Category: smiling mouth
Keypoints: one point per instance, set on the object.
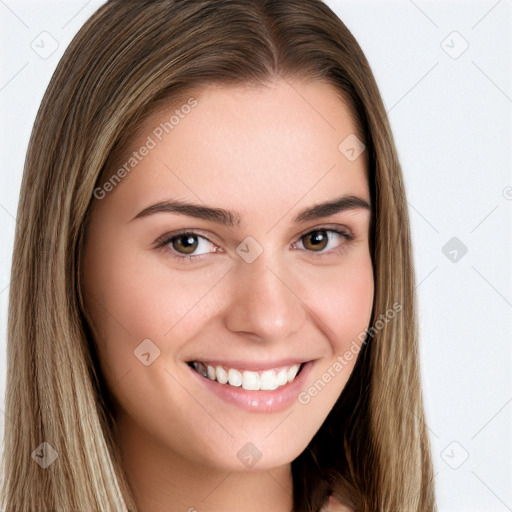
(264, 380)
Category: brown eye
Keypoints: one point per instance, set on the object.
(316, 240)
(185, 244)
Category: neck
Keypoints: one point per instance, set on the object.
(162, 480)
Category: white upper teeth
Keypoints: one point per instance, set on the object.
(250, 380)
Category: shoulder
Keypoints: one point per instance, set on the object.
(334, 503)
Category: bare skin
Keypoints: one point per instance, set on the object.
(267, 153)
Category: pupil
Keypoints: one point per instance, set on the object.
(317, 239)
(188, 243)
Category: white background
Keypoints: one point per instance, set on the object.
(450, 111)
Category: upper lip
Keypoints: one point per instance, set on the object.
(252, 364)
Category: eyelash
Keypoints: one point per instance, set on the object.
(163, 242)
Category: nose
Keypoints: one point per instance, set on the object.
(264, 303)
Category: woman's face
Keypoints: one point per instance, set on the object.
(214, 248)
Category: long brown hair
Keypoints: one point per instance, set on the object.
(128, 59)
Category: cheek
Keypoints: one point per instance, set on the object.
(132, 298)
(343, 300)
(344, 305)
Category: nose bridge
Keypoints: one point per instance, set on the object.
(264, 303)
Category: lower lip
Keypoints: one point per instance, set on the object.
(258, 401)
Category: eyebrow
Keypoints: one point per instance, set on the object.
(233, 218)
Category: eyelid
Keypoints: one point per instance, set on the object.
(165, 239)
(342, 231)
(341, 228)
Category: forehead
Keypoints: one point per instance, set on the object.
(235, 144)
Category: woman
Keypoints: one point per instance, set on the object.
(212, 296)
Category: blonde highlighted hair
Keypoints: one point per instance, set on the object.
(130, 58)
